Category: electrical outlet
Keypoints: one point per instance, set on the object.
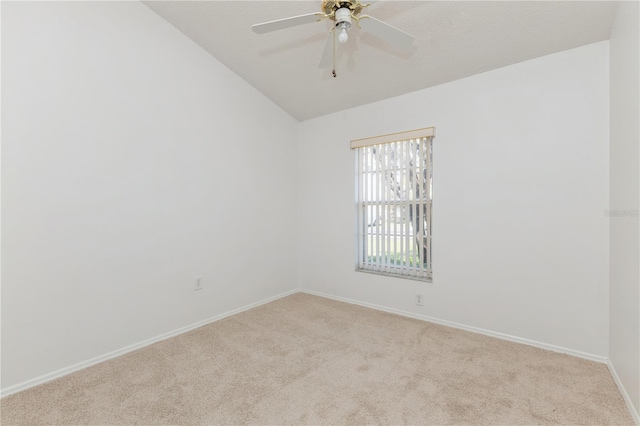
(419, 300)
(197, 285)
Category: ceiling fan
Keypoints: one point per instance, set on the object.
(341, 12)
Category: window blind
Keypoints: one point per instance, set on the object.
(394, 191)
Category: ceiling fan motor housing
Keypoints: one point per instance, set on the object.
(329, 7)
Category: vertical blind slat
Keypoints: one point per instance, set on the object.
(407, 213)
(365, 208)
(381, 203)
(429, 198)
(414, 193)
(403, 208)
(377, 217)
(360, 207)
(419, 206)
(395, 209)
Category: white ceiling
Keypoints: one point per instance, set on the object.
(454, 39)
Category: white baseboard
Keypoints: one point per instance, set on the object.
(84, 364)
(503, 336)
(627, 399)
(119, 352)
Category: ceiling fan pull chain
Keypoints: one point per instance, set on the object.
(334, 53)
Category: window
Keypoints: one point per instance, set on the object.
(394, 192)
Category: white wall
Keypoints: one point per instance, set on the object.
(521, 177)
(625, 196)
(132, 160)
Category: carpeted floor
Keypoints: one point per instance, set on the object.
(309, 360)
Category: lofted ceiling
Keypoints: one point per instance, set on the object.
(453, 39)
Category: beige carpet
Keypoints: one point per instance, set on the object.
(309, 360)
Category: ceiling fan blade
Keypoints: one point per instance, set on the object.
(385, 31)
(281, 24)
(327, 54)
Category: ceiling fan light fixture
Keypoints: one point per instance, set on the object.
(343, 23)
